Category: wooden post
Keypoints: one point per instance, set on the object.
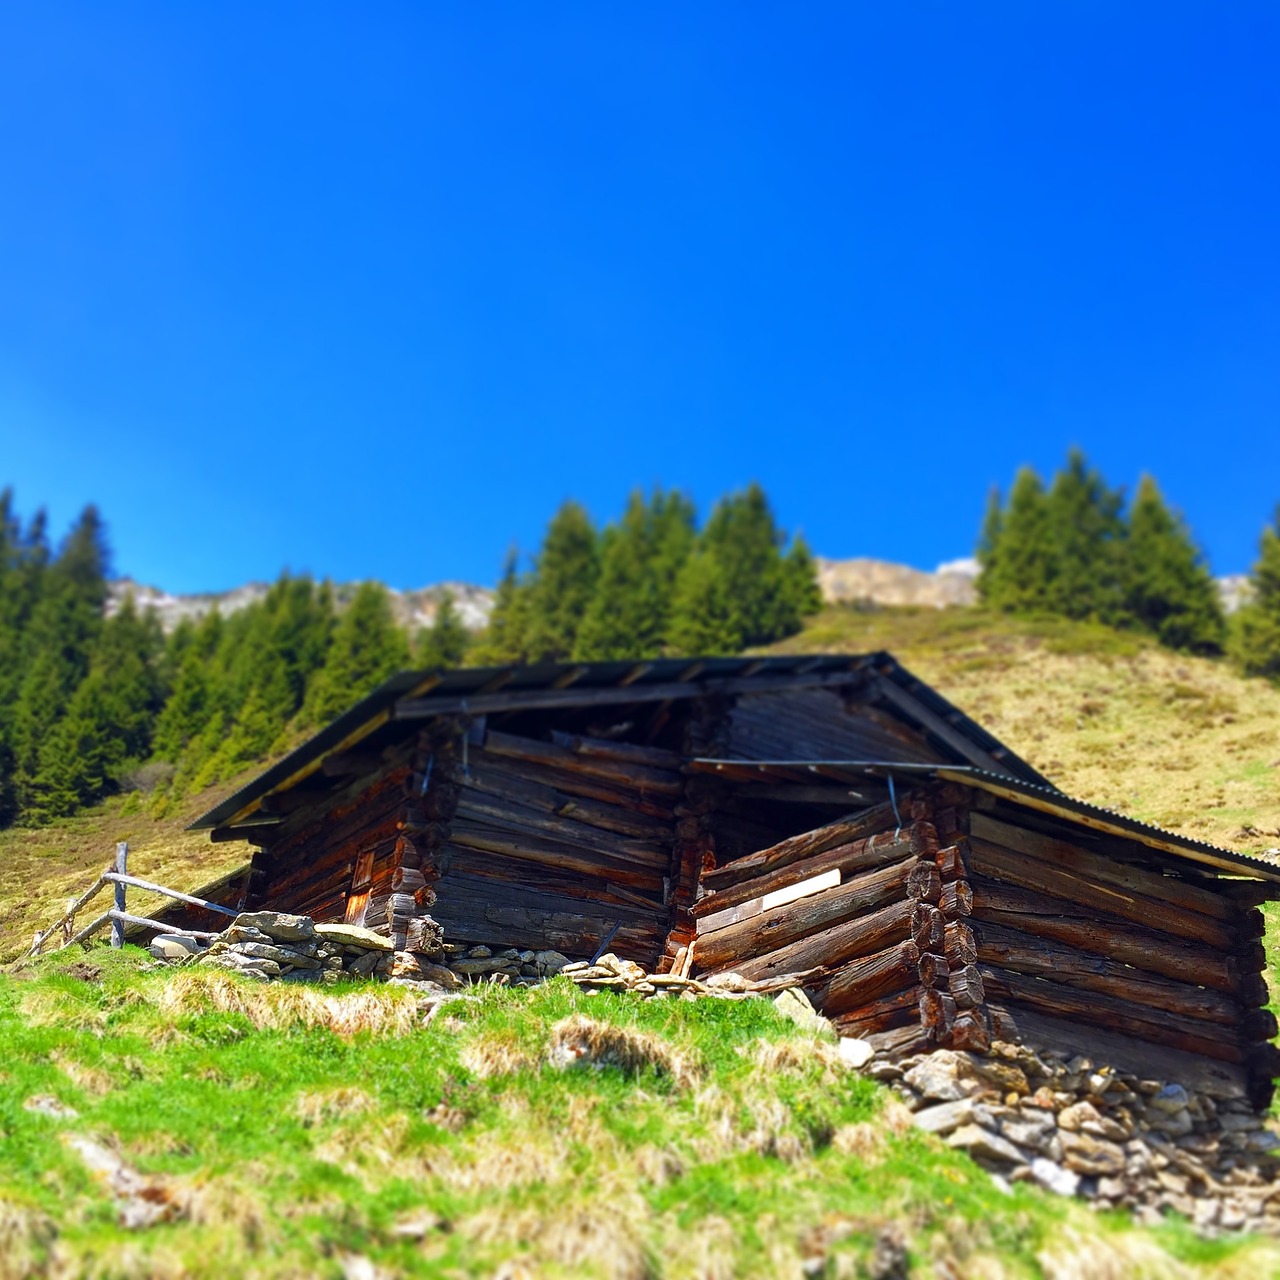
(122, 868)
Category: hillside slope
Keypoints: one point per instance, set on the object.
(1182, 742)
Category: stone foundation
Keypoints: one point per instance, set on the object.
(1081, 1128)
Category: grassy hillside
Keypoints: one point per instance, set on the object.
(282, 1131)
(287, 1132)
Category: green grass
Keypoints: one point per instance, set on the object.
(734, 1146)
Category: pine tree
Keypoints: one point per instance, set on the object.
(1256, 643)
(506, 637)
(1170, 591)
(57, 646)
(1088, 531)
(190, 705)
(445, 643)
(705, 620)
(108, 722)
(1020, 572)
(368, 646)
(801, 572)
(641, 558)
(564, 579)
(988, 542)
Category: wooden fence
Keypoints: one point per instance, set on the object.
(117, 876)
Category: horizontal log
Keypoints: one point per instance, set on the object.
(956, 899)
(951, 862)
(501, 775)
(902, 1008)
(1025, 953)
(794, 848)
(146, 922)
(934, 970)
(785, 924)
(1111, 1013)
(259, 833)
(473, 835)
(965, 984)
(630, 775)
(861, 981)
(960, 946)
(970, 1031)
(861, 936)
(856, 855)
(928, 926)
(1143, 880)
(1064, 921)
(897, 1042)
(937, 1014)
(924, 884)
(494, 811)
(1123, 1050)
(995, 863)
(623, 752)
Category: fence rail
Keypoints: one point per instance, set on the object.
(116, 875)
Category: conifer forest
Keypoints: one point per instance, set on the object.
(93, 705)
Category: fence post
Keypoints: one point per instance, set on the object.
(122, 866)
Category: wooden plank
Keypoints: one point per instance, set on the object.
(630, 777)
(858, 982)
(863, 935)
(1061, 920)
(1070, 857)
(996, 863)
(122, 918)
(1027, 954)
(773, 929)
(1111, 1013)
(624, 752)
(796, 848)
(902, 701)
(709, 923)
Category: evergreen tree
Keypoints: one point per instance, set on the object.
(1088, 531)
(1257, 634)
(705, 619)
(759, 596)
(1170, 591)
(368, 646)
(802, 578)
(564, 580)
(191, 704)
(108, 722)
(988, 541)
(57, 646)
(1022, 565)
(641, 558)
(445, 643)
(506, 638)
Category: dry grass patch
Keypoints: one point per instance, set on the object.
(317, 1107)
(387, 1011)
(579, 1041)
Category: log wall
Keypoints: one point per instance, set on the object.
(976, 921)
(564, 843)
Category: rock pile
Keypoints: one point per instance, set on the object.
(1081, 1128)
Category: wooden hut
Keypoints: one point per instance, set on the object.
(831, 815)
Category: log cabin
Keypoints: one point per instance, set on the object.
(827, 815)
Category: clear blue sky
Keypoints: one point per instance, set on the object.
(367, 289)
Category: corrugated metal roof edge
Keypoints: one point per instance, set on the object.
(1050, 799)
(373, 709)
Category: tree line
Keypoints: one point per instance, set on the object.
(1076, 549)
(91, 704)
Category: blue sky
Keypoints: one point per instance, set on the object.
(369, 289)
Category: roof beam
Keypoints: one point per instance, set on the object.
(545, 699)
